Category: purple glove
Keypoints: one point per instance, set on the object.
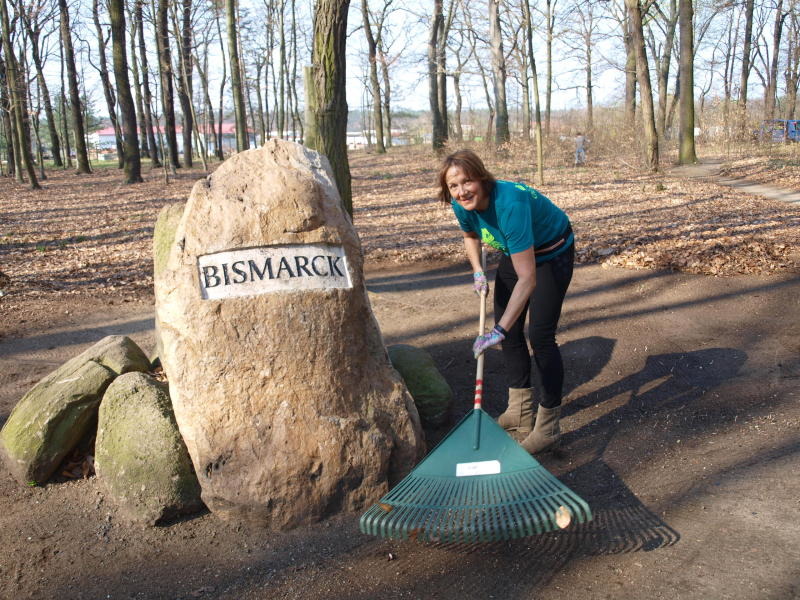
(480, 285)
(482, 342)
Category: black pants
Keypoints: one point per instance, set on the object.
(552, 280)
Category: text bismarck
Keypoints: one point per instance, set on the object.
(254, 271)
(243, 271)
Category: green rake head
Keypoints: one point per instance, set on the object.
(477, 485)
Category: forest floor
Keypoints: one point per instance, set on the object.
(681, 419)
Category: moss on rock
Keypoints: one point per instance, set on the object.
(140, 456)
(50, 420)
(430, 390)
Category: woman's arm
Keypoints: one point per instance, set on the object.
(525, 266)
(472, 244)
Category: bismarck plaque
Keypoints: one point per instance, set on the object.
(270, 269)
(281, 384)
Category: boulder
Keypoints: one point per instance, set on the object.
(50, 420)
(282, 387)
(164, 233)
(431, 392)
(163, 236)
(140, 456)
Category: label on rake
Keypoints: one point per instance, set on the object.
(484, 467)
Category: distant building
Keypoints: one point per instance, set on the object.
(105, 144)
(362, 139)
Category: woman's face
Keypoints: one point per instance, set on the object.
(468, 192)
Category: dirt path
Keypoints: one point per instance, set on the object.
(681, 423)
(710, 169)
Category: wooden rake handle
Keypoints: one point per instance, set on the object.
(481, 331)
(476, 444)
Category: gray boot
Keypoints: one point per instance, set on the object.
(519, 414)
(546, 434)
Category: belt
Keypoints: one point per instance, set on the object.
(554, 243)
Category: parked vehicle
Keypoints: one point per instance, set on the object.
(780, 130)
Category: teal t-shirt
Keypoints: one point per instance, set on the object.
(517, 218)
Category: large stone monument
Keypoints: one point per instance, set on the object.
(281, 384)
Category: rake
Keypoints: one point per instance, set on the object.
(476, 485)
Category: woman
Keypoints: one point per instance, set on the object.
(535, 270)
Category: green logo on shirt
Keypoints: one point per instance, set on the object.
(488, 239)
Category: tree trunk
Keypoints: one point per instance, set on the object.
(64, 119)
(630, 72)
(375, 88)
(663, 65)
(441, 67)
(5, 111)
(147, 95)
(55, 143)
(223, 62)
(281, 99)
(297, 122)
(133, 167)
(487, 94)
(526, 94)
(185, 90)
(646, 91)
(772, 87)
(210, 125)
(439, 133)
(502, 134)
(537, 112)
(748, 40)
(387, 97)
(687, 154)
(589, 88)
(105, 80)
(792, 68)
(17, 102)
(144, 147)
(242, 141)
(458, 131)
(328, 113)
(167, 91)
(262, 129)
(78, 129)
(550, 17)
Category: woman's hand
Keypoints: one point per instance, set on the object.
(479, 284)
(482, 342)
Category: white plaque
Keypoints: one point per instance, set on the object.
(254, 271)
(484, 467)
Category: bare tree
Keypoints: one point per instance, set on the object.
(17, 103)
(326, 128)
(374, 84)
(646, 92)
(105, 80)
(792, 74)
(439, 134)
(526, 16)
(771, 88)
(133, 168)
(183, 33)
(662, 52)
(585, 29)
(33, 19)
(147, 97)
(748, 40)
(242, 139)
(687, 150)
(502, 134)
(161, 12)
(81, 155)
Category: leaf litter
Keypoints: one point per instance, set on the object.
(91, 235)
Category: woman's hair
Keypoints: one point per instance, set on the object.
(473, 168)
